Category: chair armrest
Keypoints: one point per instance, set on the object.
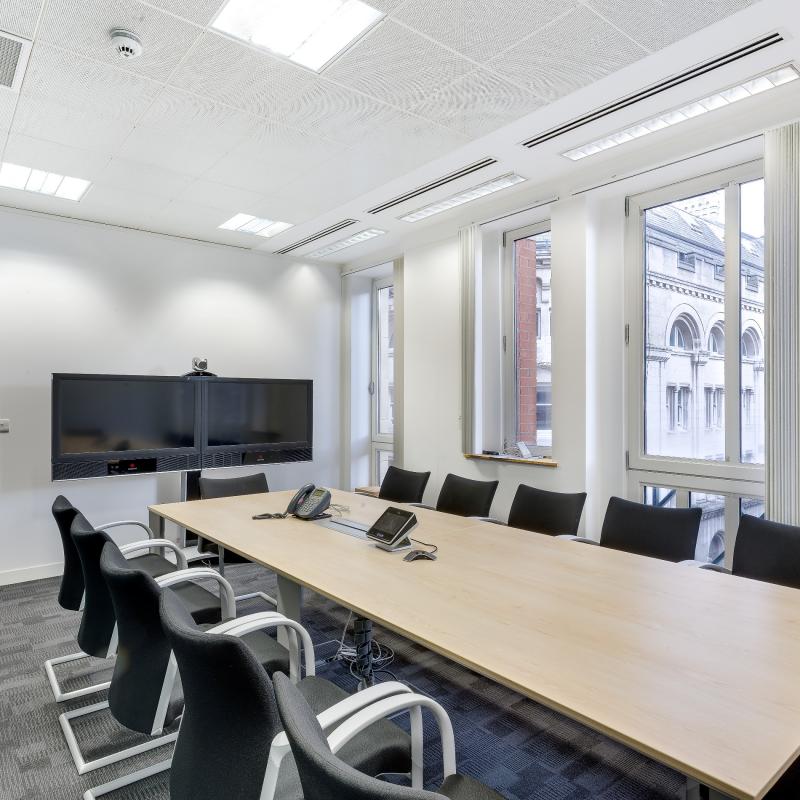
(389, 706)
(338, 713)
(422, 505)
(125, 522)
(271, 619)
(227, 599)
(581, 539)
(158, 544)
(490, 519)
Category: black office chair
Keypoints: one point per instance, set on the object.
(553, 513)
(403, 485)
(71, 591)
(212, 488)
(465, 497)
(227, 745)
(325, 776)
(666, 533)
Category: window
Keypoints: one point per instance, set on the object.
(716, 340)
(527, 379)
(382, 386)
(715, 408)
(681, 337)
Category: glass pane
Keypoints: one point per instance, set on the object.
(711, 539)
(660, 496)
(684, 384)
(752, 507)
(385, 386)
(383, 461)
(532, 307)
(752, 321)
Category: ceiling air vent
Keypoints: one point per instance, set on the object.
(657, 88)
(345, 223)
(14, 54)
(453, 176)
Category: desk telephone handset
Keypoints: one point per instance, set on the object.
(309, 502)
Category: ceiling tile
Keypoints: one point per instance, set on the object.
(267, 161)
(676, 19)
(19, 16)
(189, 156)
(105, 203)
(49, 120)
(127, 175)
(387, 6)
(478, 103)
(8, 102)
(185, 218)
(93, 88)
(84, 28)
(54, 157)
(240, 76)
(480, 29)
(397, 66)
(224, 199)
(570, 53)
(199, 11)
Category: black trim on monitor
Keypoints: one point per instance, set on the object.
(230, 455)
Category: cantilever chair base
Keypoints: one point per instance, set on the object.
(60, 695)
(127, 780)
(84, 766)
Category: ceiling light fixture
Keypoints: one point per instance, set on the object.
(14, 176)
(726, 97)
(308, 32)
(496, 185)
(356, 238)
(247, 223)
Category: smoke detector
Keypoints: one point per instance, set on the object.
(127, 44)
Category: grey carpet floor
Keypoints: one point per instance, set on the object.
(519, 747)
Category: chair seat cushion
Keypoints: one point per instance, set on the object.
(199, 602)
(462, 787)
(151, 563)
(274, 657)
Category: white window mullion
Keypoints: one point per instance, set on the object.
(733, 284)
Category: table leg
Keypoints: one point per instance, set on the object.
(696, 791)
(221, 558)
(290, 604)
(362, 634)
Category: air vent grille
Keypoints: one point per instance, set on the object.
(345, 223)
(663, 86)
(13, 58)
(449, 178)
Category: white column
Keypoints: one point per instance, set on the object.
(469, 239)
(782, 295)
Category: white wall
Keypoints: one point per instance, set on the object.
(79, 297)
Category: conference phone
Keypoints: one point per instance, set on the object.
(309, 502)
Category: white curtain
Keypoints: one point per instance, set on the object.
(469, 240)
(782, 282)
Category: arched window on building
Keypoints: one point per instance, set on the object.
(716, 339)
(682, 335)
(751, 344)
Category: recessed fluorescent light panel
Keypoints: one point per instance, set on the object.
(726, 97)
(14, 176)
(247, 223)
(308, 32)
(356, 238)
(496, 185)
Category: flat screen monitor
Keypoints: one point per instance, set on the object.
(250, 414)
(104, 418)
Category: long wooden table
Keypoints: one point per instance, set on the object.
(700, 671)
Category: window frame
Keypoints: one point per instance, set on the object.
(378, 441)
(637, 459)
(509, 388)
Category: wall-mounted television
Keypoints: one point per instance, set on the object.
(257, 421)
(128, 424)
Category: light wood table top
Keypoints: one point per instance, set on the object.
(698, 670)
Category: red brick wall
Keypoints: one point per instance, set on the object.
(525, 298)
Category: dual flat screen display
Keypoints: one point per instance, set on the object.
(100, 414)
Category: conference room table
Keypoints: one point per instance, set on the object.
(696, 669)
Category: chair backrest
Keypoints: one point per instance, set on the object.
(97, 623)
(229, 717)
(666, 533)
(466, 497)
(767, 551)
(143, 650)
(233, 487)
(403, 485)
(553, 513)
(323, 775)
(70, 593)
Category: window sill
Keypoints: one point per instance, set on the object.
(539, 461)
